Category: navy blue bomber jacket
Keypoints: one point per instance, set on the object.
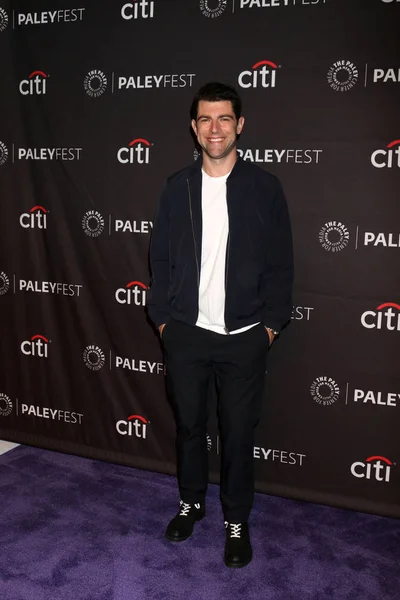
(259, 256)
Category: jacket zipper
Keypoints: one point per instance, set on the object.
(228, 245)
(194, 239)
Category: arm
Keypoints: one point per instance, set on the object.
(278, 273)
(157, 298)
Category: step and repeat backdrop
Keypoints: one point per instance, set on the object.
(94, 116)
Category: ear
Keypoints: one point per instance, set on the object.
(239, 126)
(194, 126)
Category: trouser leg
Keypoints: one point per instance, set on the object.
(240, 368)
(189, 373)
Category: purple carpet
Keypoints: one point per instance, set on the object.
(78, 529)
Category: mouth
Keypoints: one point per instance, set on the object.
(215, 140)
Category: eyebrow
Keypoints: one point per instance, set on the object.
(218, 117)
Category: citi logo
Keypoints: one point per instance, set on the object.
(35, 218)
(36, 346)
(387, 158)
(3, 153)
(382, 319)
(3, 19)
(134, 293)
(137, 151)
(6, 405)
(262, 74)
(374, 467)
(35, 84)
(138, 9)
(134, 426)
(4, 283)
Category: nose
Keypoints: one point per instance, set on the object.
(214, 126)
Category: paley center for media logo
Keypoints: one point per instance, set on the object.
(387, 157)
(3, 153)
(325, 391)
(342, 76)
(377, 468)
(212, 9)
(95, 358)
(385, 316)
(37, 345)
(36, 218)
(334, 236)
(6, 405)
(93, 224)
(34, 85)
(262, 74)
(133, 293)
(138, 9)
(137, 151)
(133, 426)
(3, 19)
(4, 283)
(95, 83)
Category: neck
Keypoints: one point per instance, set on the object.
(220, 166)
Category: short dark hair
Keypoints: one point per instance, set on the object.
(217, 92)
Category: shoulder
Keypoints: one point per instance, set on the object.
(181, 175)
(259, 176)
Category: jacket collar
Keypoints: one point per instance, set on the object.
(238, 168)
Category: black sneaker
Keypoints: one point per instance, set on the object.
(181, 526)
(238, 552)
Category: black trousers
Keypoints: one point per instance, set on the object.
(194, 357)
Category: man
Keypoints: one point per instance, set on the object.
(221, 261)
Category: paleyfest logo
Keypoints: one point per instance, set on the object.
(212, 9)
(95, 83)
(342, 76)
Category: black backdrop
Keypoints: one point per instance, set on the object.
(94, 116)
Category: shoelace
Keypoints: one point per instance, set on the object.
(185, 508)
(235, 529)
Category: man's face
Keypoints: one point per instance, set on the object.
(216, 128)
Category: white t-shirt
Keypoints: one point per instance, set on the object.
(213, 255)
